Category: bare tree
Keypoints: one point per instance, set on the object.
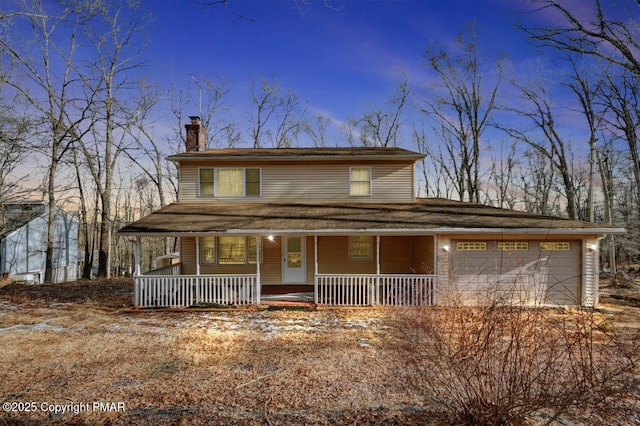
(502, 177)
(14, 130)
(318, 130)
(437, 176)
(606, 157)
(276, 118)
(462, 108)
(379, 127)
(48, 63)
(116, 56)
(146, 152)
(266, 101)
(621, 98)
(586, 87)
(545, 138)
(592, 30)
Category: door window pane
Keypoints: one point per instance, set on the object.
(294, 252)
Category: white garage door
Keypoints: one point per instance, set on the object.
(531, 270)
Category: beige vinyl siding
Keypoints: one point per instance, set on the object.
(271, 268)
(422, 262)
(310, 182)
(333, 257)
(398, 255)
(188, 255)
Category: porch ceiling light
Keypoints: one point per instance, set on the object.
(270, 237)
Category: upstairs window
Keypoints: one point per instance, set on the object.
(360, 181)
(252, 179)
(229, 182)
(206, 182)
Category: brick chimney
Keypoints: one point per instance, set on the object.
(196, 135)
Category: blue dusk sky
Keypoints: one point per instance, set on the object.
(340, 60)
(337, 59)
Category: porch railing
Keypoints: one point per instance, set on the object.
(330, 290)
(407, 290)
(345, 290)
(372, 289)
(166, 270)
(193, 290)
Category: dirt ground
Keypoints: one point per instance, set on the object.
(75, 354)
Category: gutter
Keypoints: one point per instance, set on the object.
(397, 231)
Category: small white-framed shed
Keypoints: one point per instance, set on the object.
(23, 243)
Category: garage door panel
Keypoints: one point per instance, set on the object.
(555, 273)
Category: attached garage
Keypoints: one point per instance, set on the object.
(527, 270)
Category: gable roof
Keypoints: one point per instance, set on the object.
(424, 216)
(334, 153)
(16, 215)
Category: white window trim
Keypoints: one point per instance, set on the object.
(351, 194)
(216, 180)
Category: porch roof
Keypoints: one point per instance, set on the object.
(426, 216)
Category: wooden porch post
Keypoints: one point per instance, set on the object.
(258, 256)
(315, 273)
(197, 255)
(137, 254)
(377, 290)
(136, 272)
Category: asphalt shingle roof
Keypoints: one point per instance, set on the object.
(424, 215)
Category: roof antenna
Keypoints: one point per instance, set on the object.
(200, 94)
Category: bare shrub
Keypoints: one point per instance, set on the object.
(500, 364)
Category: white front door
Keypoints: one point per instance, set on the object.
(293, 260)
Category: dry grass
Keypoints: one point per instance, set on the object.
(75, 344)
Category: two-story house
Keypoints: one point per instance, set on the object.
(345, 225)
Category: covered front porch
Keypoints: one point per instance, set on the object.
(334, 269)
